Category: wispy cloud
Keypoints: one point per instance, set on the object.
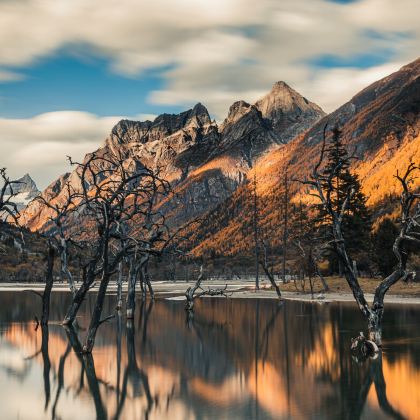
(214, 51)
(206, 43)
(40, 145)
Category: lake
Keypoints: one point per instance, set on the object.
(237, 359)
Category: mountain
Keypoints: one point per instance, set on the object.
(288, 111)
(24, 191)
(380, 125)
(204, 162)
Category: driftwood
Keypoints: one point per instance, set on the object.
(191, 293)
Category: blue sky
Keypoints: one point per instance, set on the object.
(69, 70)
(68, 81)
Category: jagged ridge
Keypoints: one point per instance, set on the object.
(204, 162)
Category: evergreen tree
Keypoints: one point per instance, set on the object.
(356, 224)
(382, 241)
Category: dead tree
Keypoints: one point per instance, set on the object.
(264, 264)
(196, 291)
(408, 232)
(255, 221)
(9, 211)
(119, 286)
(285, 221)
(58, 231)
(154, 241)
(111, 197)
(305, 238)
(8, 208)
(49, 280)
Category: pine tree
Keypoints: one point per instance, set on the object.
(383, 240)
(356, 224)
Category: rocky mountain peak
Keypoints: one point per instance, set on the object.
(280, 85)
(24, 191)
(283, 97)
(288, 111)
(203, 160)
(202, 114)
(238, 107)
(25, 185)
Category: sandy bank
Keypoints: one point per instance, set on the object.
(235, 290)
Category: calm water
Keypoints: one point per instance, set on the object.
(238, 359)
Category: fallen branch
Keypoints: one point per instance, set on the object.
(191, 294)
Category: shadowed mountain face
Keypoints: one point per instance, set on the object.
(380, 125)
(204, 162)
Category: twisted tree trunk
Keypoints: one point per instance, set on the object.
(49, 280)
(95, 321)
(79, 297)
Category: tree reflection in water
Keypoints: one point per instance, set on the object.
(375, 375)
(86, 359)
(241, 359)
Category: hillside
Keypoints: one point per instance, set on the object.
(381, 125)
(209, 164)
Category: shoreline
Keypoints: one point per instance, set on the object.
(235, 290)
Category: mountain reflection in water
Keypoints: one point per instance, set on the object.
(239, 359)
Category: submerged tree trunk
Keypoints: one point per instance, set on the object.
(190, 292)
(64, 265)
(377, 311)
(271, 278)
(146, 277)
(372, 314)
(131, 293)
(119, 286)
(88, 279)
(95, 321)
(48, 285)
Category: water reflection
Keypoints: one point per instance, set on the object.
(233, 359)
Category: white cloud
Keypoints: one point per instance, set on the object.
(230, 48)
(202, 38)
(39, 145)
(216, 52)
